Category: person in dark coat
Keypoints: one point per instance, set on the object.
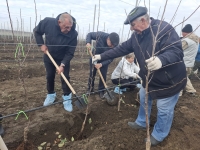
(61, 42)
(168, 74)
(104, 42)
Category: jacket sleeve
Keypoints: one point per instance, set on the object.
(91, 36)
(120, 50)
(184, 45)
(95, 36)
(106, 62)
(170, 48)
(70, 51)
(39, 31)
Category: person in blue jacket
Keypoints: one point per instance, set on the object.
(61, 42)
(197, 62)
(104, 42)
(165, 63)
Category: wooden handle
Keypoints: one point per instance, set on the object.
(2, 144)
(63, 76)
(99, 72)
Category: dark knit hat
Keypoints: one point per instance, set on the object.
(187, 28)
(114, 38)
(135, 13)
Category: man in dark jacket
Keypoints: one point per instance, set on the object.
(104, 42)
(61, 42)
(168, 74)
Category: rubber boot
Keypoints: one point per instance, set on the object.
(49, 99)
(67, 102)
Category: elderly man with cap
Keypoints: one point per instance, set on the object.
(190, 43)
(104, 42)
(168, 74)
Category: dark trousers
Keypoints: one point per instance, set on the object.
(50, 76)
(93, 72)
(124, 81)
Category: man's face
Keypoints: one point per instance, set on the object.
(65, 26)
(109, 43)
(184, 34)
(138, 25)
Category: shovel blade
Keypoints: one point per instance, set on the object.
(80, 103)
(110, 98)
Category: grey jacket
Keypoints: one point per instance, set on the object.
(125, 70)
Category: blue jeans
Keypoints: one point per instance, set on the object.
(165, 114)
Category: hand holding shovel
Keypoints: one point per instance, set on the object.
(80, 102)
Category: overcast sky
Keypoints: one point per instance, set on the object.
(112, 13)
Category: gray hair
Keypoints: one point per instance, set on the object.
(65, 16)
(130, 55)
(146, 17)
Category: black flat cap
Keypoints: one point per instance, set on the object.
(114, 38)
(135, 13)
(187, 28)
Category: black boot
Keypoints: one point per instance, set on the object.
(1, 128)
(153, 141)
(101, 94)
(134, 125)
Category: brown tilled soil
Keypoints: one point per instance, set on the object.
(105, 128)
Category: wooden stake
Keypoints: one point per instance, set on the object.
(98, 17)
(94, 17)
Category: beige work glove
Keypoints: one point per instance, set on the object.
(153, 63)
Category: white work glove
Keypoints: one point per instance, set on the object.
(95, 58)
(195, 72)
(153, 63)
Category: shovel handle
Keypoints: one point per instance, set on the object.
(2, 144)
(63, 76)
(102, 79)
(99, 72)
